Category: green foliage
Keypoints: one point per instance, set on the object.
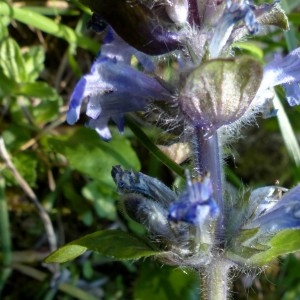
(166, 283)
(89, 155)
(114, 243)
(37, 20)
(259, 253)
(287, 241)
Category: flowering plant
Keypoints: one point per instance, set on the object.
(212, 92)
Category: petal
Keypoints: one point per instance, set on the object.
(195, 213)
(88, 85)
(292, 92)
(262, 200)
(124, 78)
(195, 205)
(77, 97)
(234, 13)
(113, 88)
(282, 70)
(116, 48)
(93, 109)
(149, 213)
(131, 90)
(100, 125)
(285, 214)
(119, 121)
(199, 191)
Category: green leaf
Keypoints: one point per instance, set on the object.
(46, 110)
(114, 243)
(284, 242)
(88, 154)
(12, 61)
(287, 241)
(8, 86)
(48, 25)
(101, 197)
(288, 134)
(251, 48)
(15, 136)
(164, 283)
(294, 18)
(34, 62)
(36, 89)
(4, 22)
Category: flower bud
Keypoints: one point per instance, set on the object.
(178, 10)
(148, 213)
(129, 182)
(138, 25)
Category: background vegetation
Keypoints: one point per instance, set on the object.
(55, 179)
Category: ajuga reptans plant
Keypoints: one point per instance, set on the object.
(211, 92)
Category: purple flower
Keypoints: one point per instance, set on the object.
(284, 71)
(235, 12)
(277, 213)
(196, 205)
(114, 87)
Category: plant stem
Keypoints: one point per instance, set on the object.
(215, 279)
(207, 159)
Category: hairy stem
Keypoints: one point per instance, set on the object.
(215, 280)
(207, 159)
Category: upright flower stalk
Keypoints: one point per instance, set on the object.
(211, 92)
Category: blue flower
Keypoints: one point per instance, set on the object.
(114, 87)
(235, 12)
(276, 212)
(196, 205)
(284, 71)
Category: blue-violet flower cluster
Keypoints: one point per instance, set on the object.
(115, 86)
(210, 89)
